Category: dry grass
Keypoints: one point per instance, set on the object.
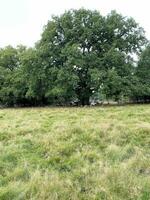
(75, 153)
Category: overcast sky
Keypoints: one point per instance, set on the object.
(22, 21)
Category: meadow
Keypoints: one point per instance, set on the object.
(88, 153)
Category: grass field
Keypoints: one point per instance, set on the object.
(75, 153)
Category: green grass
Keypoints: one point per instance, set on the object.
(75, 153)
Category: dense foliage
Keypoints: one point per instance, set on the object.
(143, 74)
(82, 56)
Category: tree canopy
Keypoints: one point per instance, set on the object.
(81, 55)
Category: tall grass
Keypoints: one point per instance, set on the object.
(75, 153)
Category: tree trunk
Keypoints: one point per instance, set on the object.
(85, 101)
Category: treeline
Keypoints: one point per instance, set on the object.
(82, 57)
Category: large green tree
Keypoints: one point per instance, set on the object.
(81, 47)
(81, 55)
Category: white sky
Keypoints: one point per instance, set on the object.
(22, 21)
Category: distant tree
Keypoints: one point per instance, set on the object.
(118, 77)
(80, 45)
(142, 91)
(11, 77)
(8, 63)
(33, 77)
(8, 58)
